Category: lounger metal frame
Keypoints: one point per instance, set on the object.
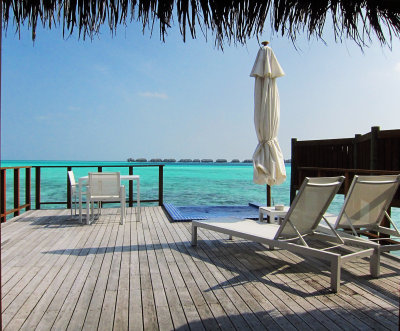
(336, 260)
(365, 230)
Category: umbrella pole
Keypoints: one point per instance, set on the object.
(268, 189)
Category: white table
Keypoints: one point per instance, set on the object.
(84, 179)
(271, 212)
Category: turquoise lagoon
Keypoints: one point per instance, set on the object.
(185, 184)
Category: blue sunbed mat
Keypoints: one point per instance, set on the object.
(189, 213)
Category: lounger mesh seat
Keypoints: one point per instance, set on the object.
(300, 225)
(366, 204)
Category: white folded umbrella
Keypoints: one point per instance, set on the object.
(268, 162)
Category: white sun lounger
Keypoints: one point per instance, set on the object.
(299, 225)
(367, 202)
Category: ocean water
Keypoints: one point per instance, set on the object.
(185, 184)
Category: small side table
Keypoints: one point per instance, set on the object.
(271, 212)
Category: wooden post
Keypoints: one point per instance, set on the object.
(3, 199)
(69, 202)
(293, 167)
(37, 188)
(28, 188)
(346, 182)
(130, 201)
(373, 164)
(268, 196)
(355, 150)
(16, 191)
(160, 185)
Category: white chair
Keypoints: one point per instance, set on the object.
(104, 186)
(300, 225)
(74, 190)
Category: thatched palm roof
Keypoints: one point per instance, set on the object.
(229, 21)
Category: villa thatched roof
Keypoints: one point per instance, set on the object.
(229, 21)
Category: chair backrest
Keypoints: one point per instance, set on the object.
(367, 200)
(71, 178)
(309, 205)
(104, 183)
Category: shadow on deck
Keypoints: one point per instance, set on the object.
(58, 273)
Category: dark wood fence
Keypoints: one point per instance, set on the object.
(17, 206)
(377, 152)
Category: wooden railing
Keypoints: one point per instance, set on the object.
(38, 201)
(16, 191)
(376, 150)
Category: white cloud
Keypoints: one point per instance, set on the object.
(102, 69)
(397, 67)
(154, 95)
(42, 117)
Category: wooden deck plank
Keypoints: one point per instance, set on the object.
(328, 285)
(135, 314)
(298, 294)
(162, 254)
(366, 321)
(78, 238)
(27, 253)
(193, 279)
(82, 306)
(313, 312)
(31, 291)
(253, 321)
(28, 237)
(364, 317)
(102, 266)
(148, 304)
(95, 239)
(160, 297)
(236, 276)
(232, 266)
(58, 274)
(87, 257)
(186, 302)
(337, 315)
(15, 226)
(108, 310)
(121, 317)
(348, 295)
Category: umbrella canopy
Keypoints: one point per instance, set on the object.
(268, 163)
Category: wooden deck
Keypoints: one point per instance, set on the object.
(58, 274)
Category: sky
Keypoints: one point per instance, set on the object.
(132, 95)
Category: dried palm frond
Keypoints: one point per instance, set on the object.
(229, 21)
